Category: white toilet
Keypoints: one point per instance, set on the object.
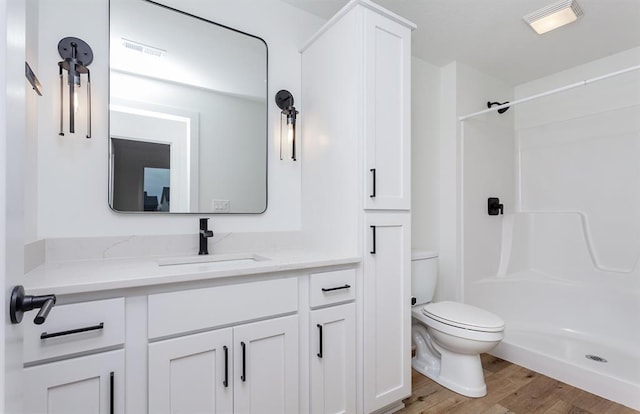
(449, 336)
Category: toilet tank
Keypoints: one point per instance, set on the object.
(424, 274)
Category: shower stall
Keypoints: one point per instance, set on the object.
(560, 266)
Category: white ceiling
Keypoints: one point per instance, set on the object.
(491, 36)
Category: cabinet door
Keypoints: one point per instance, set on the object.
(387, 113)
(86, 385)
(387, 309)
(333, 360)
(191, 374)
(266, 366)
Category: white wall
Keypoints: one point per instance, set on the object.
(470, 171)
(31, 136)
(330, 194)
(73, 171)
(448, 286)
(618, 92)
(425, 165)
(488, 170)
(579, 152)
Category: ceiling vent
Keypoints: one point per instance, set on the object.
(553, 16)
(142, 48)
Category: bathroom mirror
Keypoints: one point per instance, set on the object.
(187, 113)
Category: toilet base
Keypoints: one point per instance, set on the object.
(461, 373)
(462, 378)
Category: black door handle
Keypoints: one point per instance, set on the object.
(45, 335)
(243, 377)
(320, 340)
(373, 172)
(226, 366)
(373, 229)
(111, 393)
(336, 288)
(21, 303)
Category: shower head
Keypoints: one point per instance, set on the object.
(500, 111)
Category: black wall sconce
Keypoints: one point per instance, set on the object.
(284, 100)
(76, 55)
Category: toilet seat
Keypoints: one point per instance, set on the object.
(463, 316)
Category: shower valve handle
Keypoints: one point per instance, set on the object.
(494, 207)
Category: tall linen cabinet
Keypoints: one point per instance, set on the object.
(355, 154)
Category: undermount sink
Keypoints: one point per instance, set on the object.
(213, 260)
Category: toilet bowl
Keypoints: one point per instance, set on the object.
(449, 336)
(449, 339)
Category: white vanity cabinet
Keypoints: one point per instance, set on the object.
(85, 385)
(235, 343)
(266, 366)
(356, 149)
(59, 381)
(251, 368)
(387, 318)
(333, 360)
(332, 342)
(246, 368)
(192, 374)
(387, 112)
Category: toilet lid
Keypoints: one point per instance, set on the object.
(464, 316)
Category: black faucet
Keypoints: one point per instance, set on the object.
(205, 233)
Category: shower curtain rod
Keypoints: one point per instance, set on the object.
(551, 92)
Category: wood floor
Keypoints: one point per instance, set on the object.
(512, 389)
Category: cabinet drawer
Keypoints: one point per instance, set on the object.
(75, 328)
(192, 310)
(332, 287)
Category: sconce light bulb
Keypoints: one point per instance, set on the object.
(290, 133)
(75, 100)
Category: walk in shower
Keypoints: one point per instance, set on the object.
(560, 266)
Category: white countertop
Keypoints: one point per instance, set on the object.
(83, 276)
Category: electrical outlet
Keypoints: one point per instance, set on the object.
(220, 206)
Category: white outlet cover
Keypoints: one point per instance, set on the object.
(220, 205)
